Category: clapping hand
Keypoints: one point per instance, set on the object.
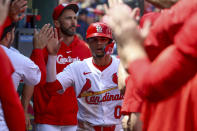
(4, 7)
(17, 10)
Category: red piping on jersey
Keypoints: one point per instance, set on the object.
(101, 68)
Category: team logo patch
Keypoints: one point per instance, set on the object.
(85, 88)
(115, 78)
(99, 29)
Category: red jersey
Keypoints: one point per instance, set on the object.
(13, 111)
(166, 106)
(48, 110)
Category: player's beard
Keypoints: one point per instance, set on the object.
(66, 31)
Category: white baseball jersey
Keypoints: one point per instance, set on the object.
(25, 70)
(98, 96)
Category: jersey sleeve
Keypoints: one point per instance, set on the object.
(32, 74)
(132, 101)
(38, 58)
(161, 78)
(66, 77)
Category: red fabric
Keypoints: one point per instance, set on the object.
(152, 16)
(104, 128)
(159, 83)
(53, 87)
(34, 57)
(13, 111)
(60, 109)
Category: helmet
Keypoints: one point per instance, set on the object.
(99, 29)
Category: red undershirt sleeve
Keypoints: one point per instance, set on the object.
(38, 57)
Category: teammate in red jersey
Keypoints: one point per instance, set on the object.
(174, 66)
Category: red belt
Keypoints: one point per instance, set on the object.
(104, 128)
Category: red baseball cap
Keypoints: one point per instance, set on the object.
(58, 10)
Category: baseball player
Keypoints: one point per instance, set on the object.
(59, 113)
(94, 80)
(172, 43)
(12, 114)
(25, 69)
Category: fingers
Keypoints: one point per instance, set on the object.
(125, 122)
(113, 3)
(45, 28)
(135, 13)
(4, 2)
(20, 3)
(22, 9)
(21, 17)
(50, 33)
(7, 3)
(145, 29)
(55, 33)
(35, 32)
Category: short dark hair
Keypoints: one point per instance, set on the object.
(7, 29)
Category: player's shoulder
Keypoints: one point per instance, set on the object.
(14, 49)
(17, 58)
(115, 59)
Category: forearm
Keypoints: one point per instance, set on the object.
(26, 96)
(161, 78)
(51, 68)
(122, 76)
(173, 68)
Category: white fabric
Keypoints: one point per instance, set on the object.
(51, 68)
(46, 127)
(25, 69)
(91, 109)
(14, 49)
(3, 126)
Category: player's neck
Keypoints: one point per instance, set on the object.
(102, 61)
(5, 43)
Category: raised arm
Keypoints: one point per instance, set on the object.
(64, 79)
(160, 78)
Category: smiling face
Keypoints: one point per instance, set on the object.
(67, 22)
(97, 45)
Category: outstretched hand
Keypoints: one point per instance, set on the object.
(41, 38)
(54, 43)
(121, 18)
(4, 7)
(47, 37)
(17, 10)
